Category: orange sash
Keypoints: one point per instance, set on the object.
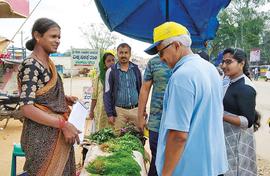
(56, 160)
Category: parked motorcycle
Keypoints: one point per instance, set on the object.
(9, 108)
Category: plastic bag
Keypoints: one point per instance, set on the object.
(92, 128)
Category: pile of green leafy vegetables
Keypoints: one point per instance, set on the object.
(117, 164)
(131, 129)
(126, 143)
(102, 136)
(121, 161)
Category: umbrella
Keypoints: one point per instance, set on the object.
(138, 18)
(14, 8)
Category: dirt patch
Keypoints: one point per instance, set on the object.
(11, 135)
(263, 166)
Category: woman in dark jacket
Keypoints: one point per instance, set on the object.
(240, 117)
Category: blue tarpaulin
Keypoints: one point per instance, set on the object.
(138, 18)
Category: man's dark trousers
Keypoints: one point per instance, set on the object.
(153, 140)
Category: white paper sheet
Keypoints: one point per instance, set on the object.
(77, 117)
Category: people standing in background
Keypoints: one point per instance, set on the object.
(240, 117)
(156, 75)
(97, 111)
(191, 137)
(122, 87)
(47, 137)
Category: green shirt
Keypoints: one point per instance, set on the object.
(159, 73)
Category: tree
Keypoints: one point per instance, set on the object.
(241, 25)
(99, 37)
(265, 47)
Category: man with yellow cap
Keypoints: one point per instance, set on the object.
(191, 137)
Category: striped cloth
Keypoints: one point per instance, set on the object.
(240, 142)
(241, 154)
(127, 94)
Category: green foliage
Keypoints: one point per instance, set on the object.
(242, 25)
(131, 129)
(126, 143)
(265, 47)
(102, 136)
(117, 164)
(121, 162)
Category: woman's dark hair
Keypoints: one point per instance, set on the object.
(257, 122)
(102, 67)
(41, 26)
(239, 55)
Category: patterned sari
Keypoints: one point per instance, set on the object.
(101, 118)
(45, 148)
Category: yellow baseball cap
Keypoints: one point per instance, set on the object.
(165, 31)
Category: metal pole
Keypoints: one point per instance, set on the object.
(167, 10)
(70, 90)
(25, 20)
(22, 39)
(71, 72)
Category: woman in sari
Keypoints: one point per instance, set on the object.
(240, 117)
(47, 137)
(97, 110)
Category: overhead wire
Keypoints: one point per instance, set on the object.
(25, 20)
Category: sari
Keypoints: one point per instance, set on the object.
(101, 118)
(45, 148)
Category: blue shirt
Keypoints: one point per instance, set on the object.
(159, 73)
(193, 104)
(127, 94)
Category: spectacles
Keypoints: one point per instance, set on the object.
(160, 53)
(227, 61)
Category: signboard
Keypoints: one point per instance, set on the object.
(85, 57)
(87, 92)
(255, 55)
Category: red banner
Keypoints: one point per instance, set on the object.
(5, 56)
